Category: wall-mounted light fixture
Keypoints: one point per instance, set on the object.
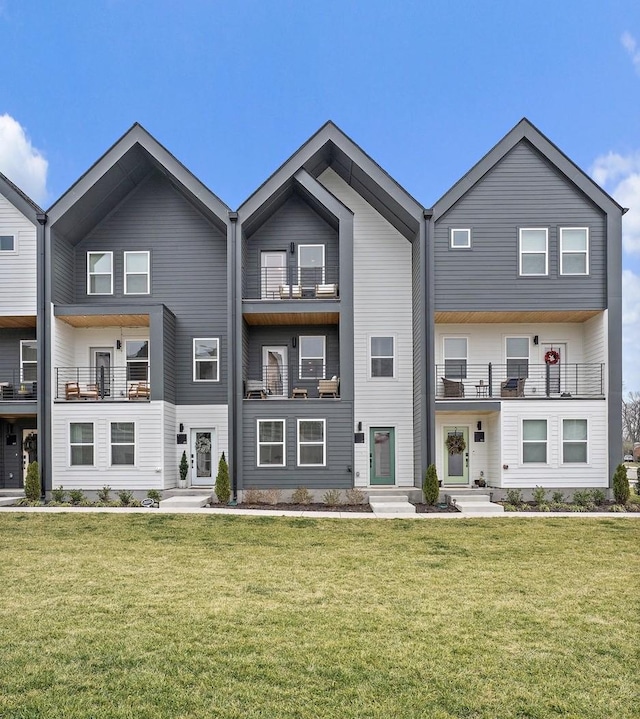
(536, 340)
(359, 426)
(479, 426)
(118, 345)
(181, 427)
(294, 341)
(292, 248)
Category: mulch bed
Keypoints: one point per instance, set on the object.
(604, 508)
(434, 508)
(314, 507)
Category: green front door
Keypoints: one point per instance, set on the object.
(382, 455)
(456, 465)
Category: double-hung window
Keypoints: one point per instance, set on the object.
(534, 441)
(206, 365)
(137, 352)
(574, 441)
(312, 360)
(460, 239)
(311, 442)
(81, 444)
(99, 273)
(7, 243)
(123, 443)
(137, 273)
(517, 357)
(271, 447)
(382, 357)
(455, 357)
(574, 251)
(310, 265)
(534, 259)
(28, 360)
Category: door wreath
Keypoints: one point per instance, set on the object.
(552, 357)
(455, 443)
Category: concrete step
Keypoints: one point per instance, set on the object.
(462, 497)
(474, 503)
(186, 502)
(10, 501)
(392, 504)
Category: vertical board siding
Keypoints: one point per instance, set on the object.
(17, 269)
(522, 190)
(382, 306)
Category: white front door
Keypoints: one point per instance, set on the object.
(275, 371)
(273, 273)
(203, 451)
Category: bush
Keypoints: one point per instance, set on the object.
(272, 496)
(598, 497)
(332, 497)
(184, 467)
(154, 494)
(125, 497)
(301, 495)
(583, 497)
(104, 494)
(621, 490)
(223, 488)
(32, 482)
(355, 496)
(514, 496)
(58, 495)
(557, 497)
(76, 497)
(430, 486)
(618, 508)
(539, 494)
(253, 496)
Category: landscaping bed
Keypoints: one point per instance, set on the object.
(311, 507)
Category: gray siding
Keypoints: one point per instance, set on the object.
(10, 351)
(169, 338)
(62, 270)
(522, 190)
(11, 456)
(339, 443)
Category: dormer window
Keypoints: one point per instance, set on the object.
(99, 273)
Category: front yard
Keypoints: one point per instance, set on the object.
(227, 616)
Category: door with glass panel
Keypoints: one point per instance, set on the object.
(202, 453)
(275, 371)
(456, 455)
(382, 458)
(101, 369)
(273, 274)
(555, 373)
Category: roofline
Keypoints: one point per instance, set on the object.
(20, 199)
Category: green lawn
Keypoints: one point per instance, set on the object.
(227, 616)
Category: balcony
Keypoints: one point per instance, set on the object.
(455, 381)
(18, 385)
(292, 283)
(102, 383)
(277, 382)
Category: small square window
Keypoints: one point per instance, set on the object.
(7, 243)
(460, 239)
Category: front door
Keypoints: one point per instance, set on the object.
(382, 455)
(29, 450)
(101, 366)
(275, 371)
(202, 453)
(456, 464)
(555, 372)
(273, 273)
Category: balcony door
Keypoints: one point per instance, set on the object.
(275, 371)
(101, 369)
(273, 273)
(556, 372)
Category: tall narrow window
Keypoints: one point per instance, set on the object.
(123, 443)
(382, 357)
(312, 357)
(81, 444)
(28, 360)
(517, 357)
(137, 360)
(460, 239)
(534, 440)
(455, 357)
(310, 265)
(7, 243)
(574, 441)
(99, 273)
(533, 251)
(271, 443)
(311, 443)
(206, 366)
(574, 251)
(136, 273)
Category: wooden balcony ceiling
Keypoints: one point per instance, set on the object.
(106, 320)
(518, 316)
(291, 318)
(17, 322)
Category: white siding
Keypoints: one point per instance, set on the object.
(17, 269)
(170, 474)
(595, 339)
(382, 304)
(201, 416)
(62, 352)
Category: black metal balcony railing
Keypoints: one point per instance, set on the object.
(312, 380)
(18, 385)
(459, 380)
(103, 383)
(294, 282)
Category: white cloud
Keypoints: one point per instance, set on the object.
(20, 161)
(631, 46)
(631, 330)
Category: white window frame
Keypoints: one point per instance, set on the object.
(113, 444)
(574, 252)
(463, 375)
(196, 360)
(91, 444)
(311, 267)
(129, 362)
(95, 274)
(146, 274)
(574, 441)
(14, 249)
(302, 357)
(515, 358)
(308, 443)
(392, 356)
(534, 441)
(283, 422)
(522, 252)
(28, 362)
(452, 233)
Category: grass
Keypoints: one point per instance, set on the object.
(199, 616)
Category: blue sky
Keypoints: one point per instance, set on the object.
(233, 88)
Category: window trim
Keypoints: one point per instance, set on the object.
(310, 267)
(83, 444)
(507, 356)
(137, 362)
(536, 441)
(94, 274)
(311, 444)
(444, 357)
(392, 357)
(453, 246)
(302, 357)
(14, 249)
(147, 274)
(586, 442)
(537, 252)
(113, 444)
(29, 362)
(283, 443)
(585, 252)
(195, 360)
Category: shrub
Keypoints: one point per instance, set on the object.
(125, 497)
(539, 494)
(598, 497)
(332, 497)
(184, 467)
(621, 490)
(510, 507)
(618, 508)
(253, 496)
(301, 495)
(557, 497)
(355, 496)
(430, 486)
(514, 496)
(154, 494)
(104, 494)
(223, 488)
(58, 495)
(76, 496)
(272, 496)
(583, 497)
(32, 482)
(544, 507)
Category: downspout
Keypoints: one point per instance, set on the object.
(429, 318)
(43, 403)
(232, 357)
